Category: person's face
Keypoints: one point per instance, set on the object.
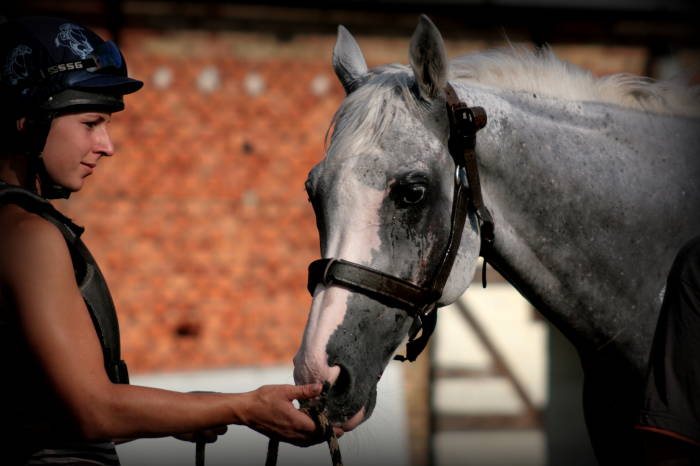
(76, 142)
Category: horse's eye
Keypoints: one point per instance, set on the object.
(412, 193)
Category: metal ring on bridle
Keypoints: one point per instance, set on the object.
(324, 277)
(461, 176)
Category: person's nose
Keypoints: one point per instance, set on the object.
(104, 144)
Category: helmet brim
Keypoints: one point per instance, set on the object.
(104, 83)
(73, 100)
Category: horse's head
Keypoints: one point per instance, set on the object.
(383, 200)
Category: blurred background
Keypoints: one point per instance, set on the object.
(201, 224)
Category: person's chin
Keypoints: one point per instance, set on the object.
(77, 184)
(72, 187)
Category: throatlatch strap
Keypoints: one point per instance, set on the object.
(415, 346)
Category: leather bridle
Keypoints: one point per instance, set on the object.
(421, 301)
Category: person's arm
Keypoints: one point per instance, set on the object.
(37, 274)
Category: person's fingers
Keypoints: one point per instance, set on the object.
(220, 430)
(304, 392)
(206, 435)
(210, 435)
(302, 421)
(338, 432)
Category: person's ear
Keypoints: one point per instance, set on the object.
(22, 124)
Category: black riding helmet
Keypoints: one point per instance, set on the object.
(52, 66)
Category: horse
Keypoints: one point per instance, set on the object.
(592, 185)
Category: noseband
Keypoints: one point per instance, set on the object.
(420, 302)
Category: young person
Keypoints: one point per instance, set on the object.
(65, 394)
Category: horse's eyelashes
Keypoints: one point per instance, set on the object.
(413, 178)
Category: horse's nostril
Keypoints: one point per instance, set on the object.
(342, 383)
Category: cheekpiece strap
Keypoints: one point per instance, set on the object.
(465, 121)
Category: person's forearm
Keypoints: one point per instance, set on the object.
(128, 411)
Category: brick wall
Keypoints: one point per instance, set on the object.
(200, 221)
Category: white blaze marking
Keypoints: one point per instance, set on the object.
(353, 235)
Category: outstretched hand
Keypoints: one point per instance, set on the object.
(270, 411)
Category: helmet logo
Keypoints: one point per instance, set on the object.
(16, 68)
(72, 36)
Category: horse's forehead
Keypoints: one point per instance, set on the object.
(340, 171)
(407, 140)
(409, 135)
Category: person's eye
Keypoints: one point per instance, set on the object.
(90, 124)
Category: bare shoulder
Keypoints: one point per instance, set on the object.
(28, 241)
(21, 228)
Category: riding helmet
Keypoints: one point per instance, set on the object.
(52, 66)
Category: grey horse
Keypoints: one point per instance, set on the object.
(593, 184)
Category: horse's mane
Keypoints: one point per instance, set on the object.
(369, 110)
(539, 71)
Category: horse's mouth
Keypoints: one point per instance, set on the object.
(339, 409)
(354, 421)
(348, 415)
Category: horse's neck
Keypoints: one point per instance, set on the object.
(591, 202)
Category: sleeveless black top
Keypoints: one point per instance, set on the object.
(33, 419)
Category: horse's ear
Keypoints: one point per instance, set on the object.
(428, 58)
(348, 62)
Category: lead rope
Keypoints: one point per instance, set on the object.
(199, 454)
(315, 412)
(273, 445)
